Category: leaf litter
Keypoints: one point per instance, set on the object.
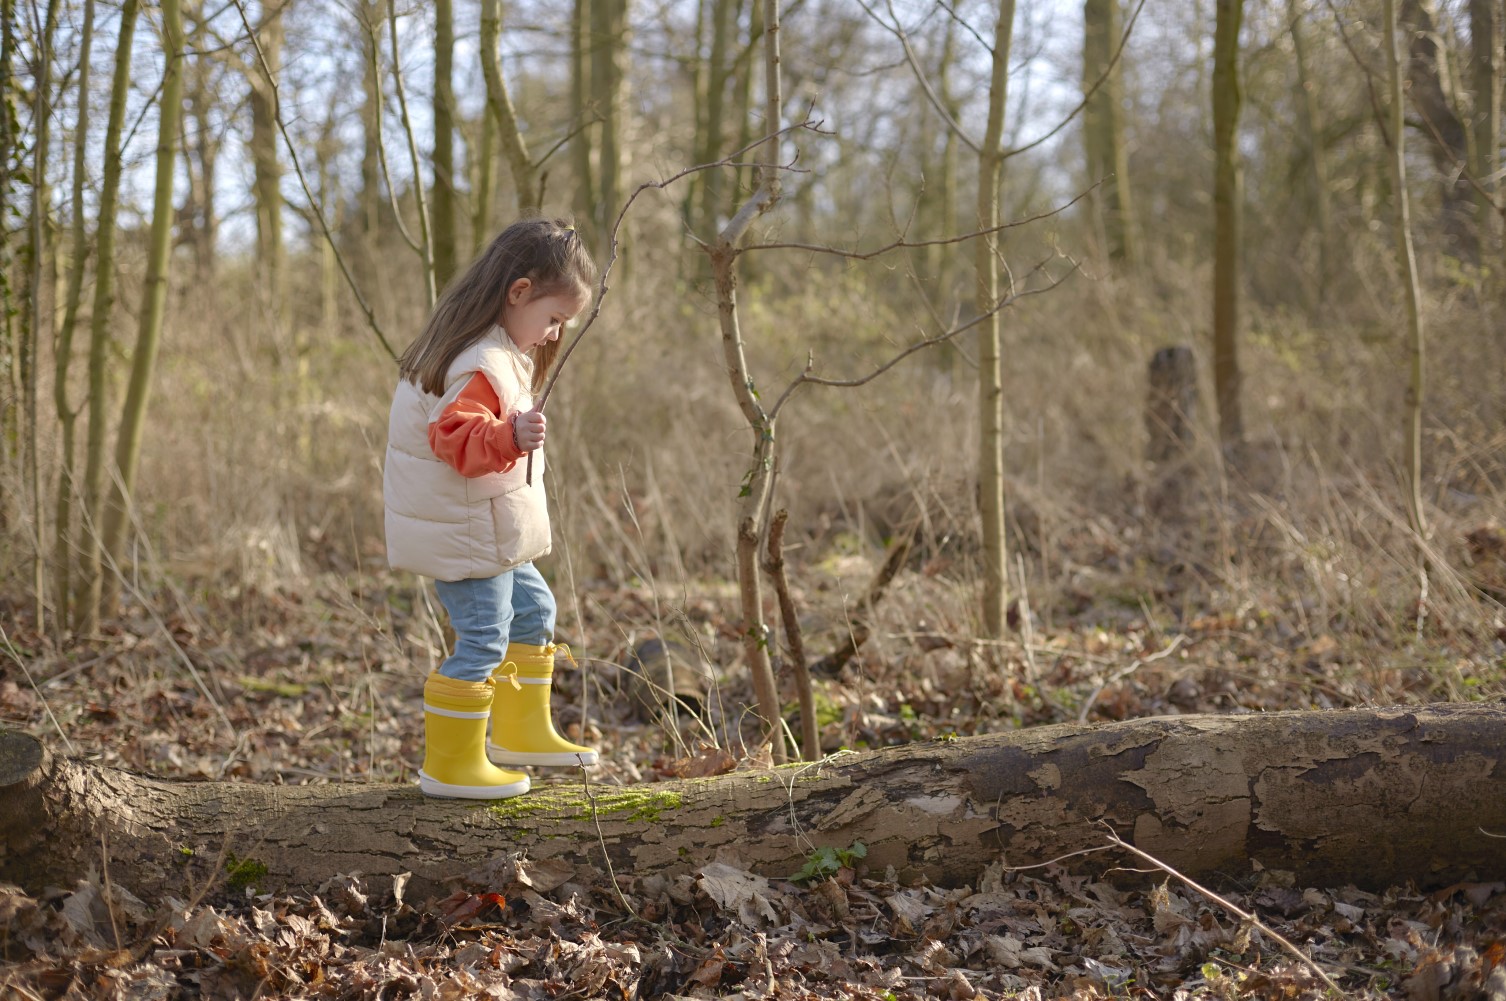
(296, 686)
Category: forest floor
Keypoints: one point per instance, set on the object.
(321, 683)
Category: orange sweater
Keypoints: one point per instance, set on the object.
(472, 434)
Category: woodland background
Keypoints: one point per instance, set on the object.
(196, 379)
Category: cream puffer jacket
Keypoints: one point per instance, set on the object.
(452, 527)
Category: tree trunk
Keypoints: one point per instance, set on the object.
(990, 364)
(1373, 797)
(1226, 220)
(1428, 94)
(1317, 152)
(267, 186)
(371, 14)
(713, 128)
(1485, 123)
(580, 91)
(65, 541)
(11, 384)
(1406, 263)
(38, 301)
(202, 105)
(524, 174)
(445, 245)
(1103, 127)
(608, 42)
(91, 569)
(754, 498)
(153, 299)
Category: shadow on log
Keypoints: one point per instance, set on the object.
(1369, 797)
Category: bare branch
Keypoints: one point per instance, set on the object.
(920, 76)
(965, 26)
(308, 194)
(1244, 915)
(862, 255)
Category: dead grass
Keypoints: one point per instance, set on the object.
(261, 475)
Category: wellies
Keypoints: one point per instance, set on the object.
(455, 763)
(522, 726)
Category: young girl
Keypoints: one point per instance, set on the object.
(459, 508)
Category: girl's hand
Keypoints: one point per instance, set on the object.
(528, 430)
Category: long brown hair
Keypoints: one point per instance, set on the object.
(548, 252)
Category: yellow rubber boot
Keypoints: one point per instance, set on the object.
(522, 727)
(455, 764)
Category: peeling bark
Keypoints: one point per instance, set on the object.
(1369, 797)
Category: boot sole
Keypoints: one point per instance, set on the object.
(502, 756)
(445, 790)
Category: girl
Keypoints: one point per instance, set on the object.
(460, 510)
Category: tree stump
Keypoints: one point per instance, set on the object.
(1171, 404)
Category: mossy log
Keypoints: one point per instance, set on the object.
(1369, 797)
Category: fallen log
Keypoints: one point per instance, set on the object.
(1373, 797)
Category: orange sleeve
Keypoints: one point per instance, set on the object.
(472, 434)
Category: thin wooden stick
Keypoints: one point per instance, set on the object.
(1244, 915)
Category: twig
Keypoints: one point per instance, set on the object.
(865, 255)
(1059, 858)
(308, 193)
(1244, 915)
(1117, 676)
(601, 839)
(104, 858)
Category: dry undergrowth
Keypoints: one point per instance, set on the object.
(261, 640)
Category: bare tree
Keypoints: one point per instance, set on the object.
(1227, 184)
(37, 293)
(370, 14)
(201, 151)
(446, 248)
(91, 572)
(1316, 149)
(1486, 54)
(1406, 262)
(9, 149)
(580, 99)
(1428, 87)
(1103, 127)
(67, 414)
(499, 103)
(608, 51)
(153, 300)
(271, 256)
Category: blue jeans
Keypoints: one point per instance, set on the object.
(489, 612)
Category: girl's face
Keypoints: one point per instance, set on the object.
(531, 319)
